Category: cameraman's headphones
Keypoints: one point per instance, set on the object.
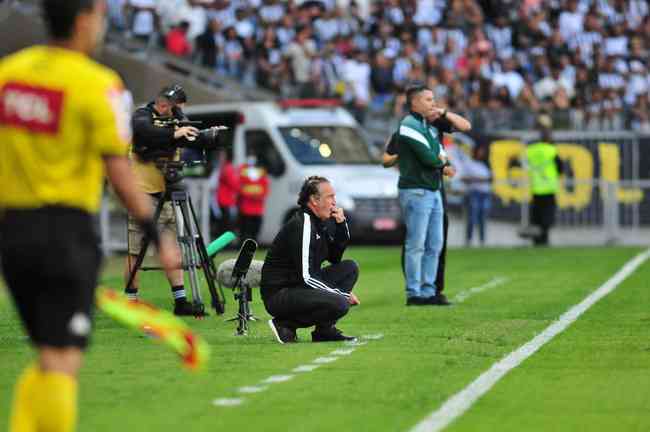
(175, 93)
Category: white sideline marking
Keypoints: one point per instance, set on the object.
(316, 363)
(306, 368)
(341, 352)
(323, 360)
(355, 343)
(463, 295)
(463, 400)
(252, 389)
(227, 402)
(277, 379)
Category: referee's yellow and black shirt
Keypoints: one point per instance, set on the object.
(60, 113)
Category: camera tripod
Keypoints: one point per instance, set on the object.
(193, 252)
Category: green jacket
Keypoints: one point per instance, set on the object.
(419, 154)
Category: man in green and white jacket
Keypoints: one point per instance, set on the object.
(420, 161)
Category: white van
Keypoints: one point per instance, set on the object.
(296, 139)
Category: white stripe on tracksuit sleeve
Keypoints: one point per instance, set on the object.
(307, 277)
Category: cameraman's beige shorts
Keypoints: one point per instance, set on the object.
(166, 222)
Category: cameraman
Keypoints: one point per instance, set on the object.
(155, 141)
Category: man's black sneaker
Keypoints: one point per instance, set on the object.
(283, 334)
(439, 300)
(183, 308)
(417, 301)
(331, 334)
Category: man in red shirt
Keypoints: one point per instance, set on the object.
(253, 189)
(227, 192)
(176, 40)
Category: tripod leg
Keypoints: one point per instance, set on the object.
(242, 326)
(209, 270)
(240, 295)
(145, 245)
(190, 255)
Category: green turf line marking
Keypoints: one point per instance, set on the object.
(455, 406)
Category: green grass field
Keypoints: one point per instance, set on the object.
(594, 376)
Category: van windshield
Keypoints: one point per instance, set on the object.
(317, 145)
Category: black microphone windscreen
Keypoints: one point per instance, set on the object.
(244, 258)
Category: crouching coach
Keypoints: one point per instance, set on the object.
(297, 292)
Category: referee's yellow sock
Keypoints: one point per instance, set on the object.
(45, 401)
(22, 418)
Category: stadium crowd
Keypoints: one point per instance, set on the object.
(584, 60)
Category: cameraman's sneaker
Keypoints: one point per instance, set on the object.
(183, 308)
(331, 334)
(281, 333)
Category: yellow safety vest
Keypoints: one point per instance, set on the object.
(542, 171)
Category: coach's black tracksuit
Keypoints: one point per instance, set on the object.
(295, 290)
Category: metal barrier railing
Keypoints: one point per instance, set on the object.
(608, 219)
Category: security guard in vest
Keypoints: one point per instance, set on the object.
(544, 169)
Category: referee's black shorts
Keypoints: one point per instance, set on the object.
(50, 260)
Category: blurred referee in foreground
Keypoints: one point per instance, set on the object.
(63, 127)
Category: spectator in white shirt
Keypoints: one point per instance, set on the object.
(356, 73)
(640, 120)
(326, 27)
(144, 19)
(394, 12)
(637, 82)
(475, 173)
(171, 13)
(509, 78)
(608, 77)
(272, 12)
(224, 12)
(594, 110)
(197, 17)
(547, 86)
(245, 26)
(500, 34)
(429, 12)
(300, 53)
(616, 44)
(612, 110)
(233, 52)
(636, 11)
(570, 20)
(585, 41)
(286, 32)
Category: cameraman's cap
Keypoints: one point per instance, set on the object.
(175, 94)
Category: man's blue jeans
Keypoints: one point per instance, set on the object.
(478, 206)
(423, 213)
